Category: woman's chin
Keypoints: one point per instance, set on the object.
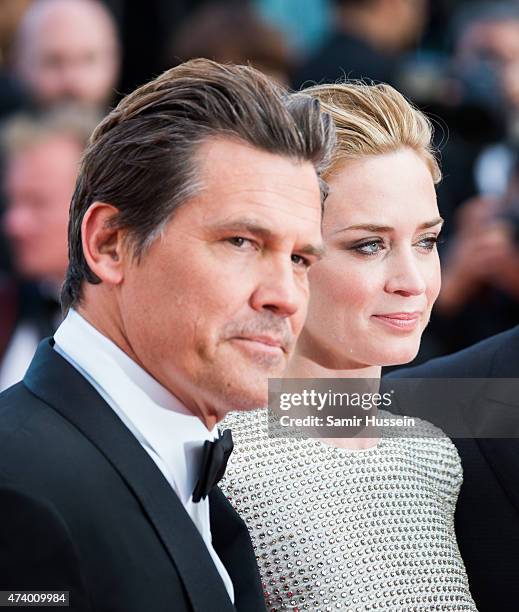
(401, 356)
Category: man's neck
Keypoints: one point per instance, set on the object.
(108, 323)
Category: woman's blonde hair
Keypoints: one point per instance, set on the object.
(373, 120)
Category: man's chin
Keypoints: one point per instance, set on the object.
(244, 388)
(243, 398)
(250, 401)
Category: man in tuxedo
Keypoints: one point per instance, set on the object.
(487, 513)
(195, 218)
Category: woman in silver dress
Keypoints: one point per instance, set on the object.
(360, 523)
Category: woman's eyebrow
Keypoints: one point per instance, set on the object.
(371, 227)
(432, 223)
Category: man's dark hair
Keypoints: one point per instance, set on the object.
(142, 157)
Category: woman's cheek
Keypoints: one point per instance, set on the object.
(434, 281)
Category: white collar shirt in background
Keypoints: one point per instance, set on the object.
(168, 432)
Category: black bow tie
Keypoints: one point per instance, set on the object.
(214, 461)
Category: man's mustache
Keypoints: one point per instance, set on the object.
(268, 326)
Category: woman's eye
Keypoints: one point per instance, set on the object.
(428, 243)
(369, 248)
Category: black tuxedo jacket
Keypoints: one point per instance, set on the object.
(83, 508)
(487, 513)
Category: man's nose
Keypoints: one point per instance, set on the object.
(278, 290)
(16, 221)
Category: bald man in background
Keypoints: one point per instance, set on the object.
(67, 51)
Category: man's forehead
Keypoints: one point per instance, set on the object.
(230, 167)
(236, 158)
(270, 209)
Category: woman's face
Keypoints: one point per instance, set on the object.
(372, 293)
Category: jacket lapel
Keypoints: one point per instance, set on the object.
(498, 415)
(503, 457)
(231, 541)
(57, 383)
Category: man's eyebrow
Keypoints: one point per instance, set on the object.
(245, 225)
(371, 227)
(312, 250)
(256, 229)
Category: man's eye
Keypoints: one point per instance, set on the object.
(301, 261)
(239, 241)
(372, 247)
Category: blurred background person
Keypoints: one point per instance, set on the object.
(67, 50)
(489, 37)
(55, 52)
(366, 42)
(12, 100)
(480, 293)
(12, 96)
(233, 32)
(10, 15)
(42, 157)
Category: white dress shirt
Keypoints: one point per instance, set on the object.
(168, 432)
(18, 355)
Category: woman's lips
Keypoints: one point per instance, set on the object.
(404, 321)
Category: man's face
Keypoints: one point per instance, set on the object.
(405, 20)
(71, 56)
(39, 185)
(216, 304)
(496, 43)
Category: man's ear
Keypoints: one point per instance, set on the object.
(103, 246)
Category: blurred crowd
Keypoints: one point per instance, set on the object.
(64, 63)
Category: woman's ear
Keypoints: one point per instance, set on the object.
(103, 245)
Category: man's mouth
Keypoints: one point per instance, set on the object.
(269, 344)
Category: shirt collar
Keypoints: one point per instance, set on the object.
(156, 415)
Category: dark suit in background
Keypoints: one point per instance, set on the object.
(487, 513)
(85, 509)
(24, 305)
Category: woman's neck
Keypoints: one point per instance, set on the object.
(304, 367)
(301, 366)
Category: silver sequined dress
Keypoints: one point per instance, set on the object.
(349, 530)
